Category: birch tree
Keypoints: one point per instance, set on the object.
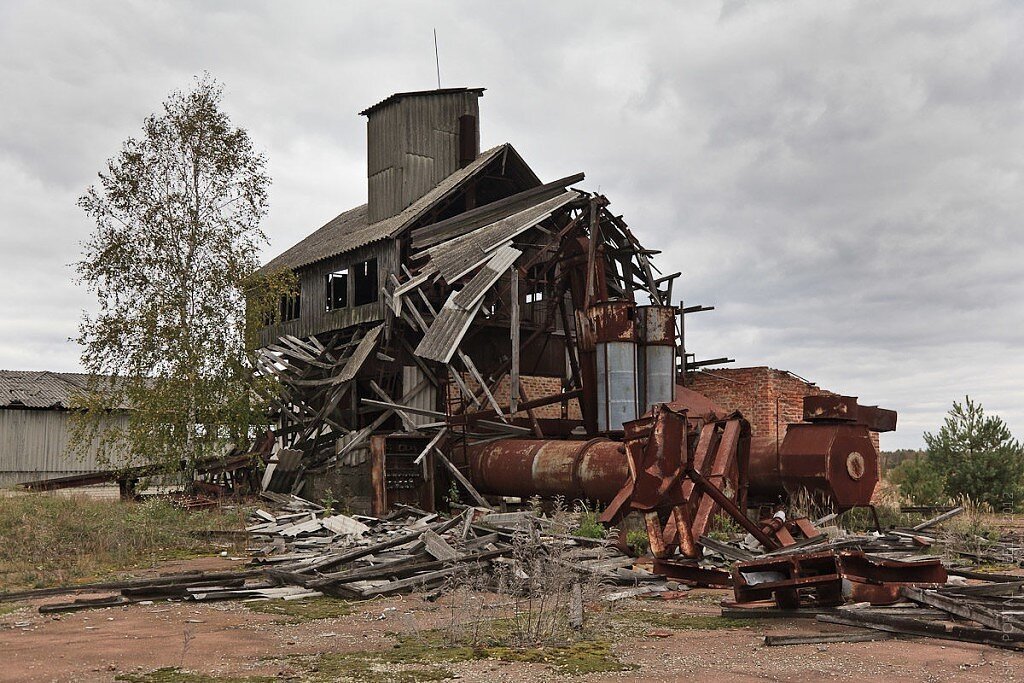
(171, 262)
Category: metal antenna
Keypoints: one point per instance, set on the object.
(437, 61)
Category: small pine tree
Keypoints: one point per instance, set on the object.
(976, 455)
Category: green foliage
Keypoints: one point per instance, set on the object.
(973, 455)
(55, 540)
(890, 460)
(172, 263)
(920, 481)
(724, 528)
(587, 525)
(638, 540)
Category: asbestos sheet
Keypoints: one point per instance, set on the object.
(455, 258)
(453, 320)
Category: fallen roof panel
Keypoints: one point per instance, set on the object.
(455, 258)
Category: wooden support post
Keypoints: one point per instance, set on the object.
(514, 324)
(591, 253)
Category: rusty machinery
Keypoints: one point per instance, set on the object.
(681, 463)
(830, 455)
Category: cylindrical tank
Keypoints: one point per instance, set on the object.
(592, 470)
(656, 357)
(836, 462)
(615, 343)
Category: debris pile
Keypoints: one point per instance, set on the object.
(409, 549)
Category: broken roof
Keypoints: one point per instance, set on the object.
(349, 230)
(39, 389)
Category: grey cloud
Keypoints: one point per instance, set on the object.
(842, 180)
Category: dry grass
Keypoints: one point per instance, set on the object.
(48, 541)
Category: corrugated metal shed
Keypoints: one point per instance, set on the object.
(350, 230)
(418, 93)
(39, 389)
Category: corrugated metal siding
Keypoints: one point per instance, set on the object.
(412, 145)
(425, 399)
(314, 318)
(33, 445)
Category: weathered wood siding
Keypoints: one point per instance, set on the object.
(412, 145)
(315, 318)
(33, 445)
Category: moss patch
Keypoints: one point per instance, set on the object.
(298, 611)
(176, 675)
(681, 621)
(426, 658)
(10, 607)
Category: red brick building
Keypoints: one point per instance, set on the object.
(770, 399)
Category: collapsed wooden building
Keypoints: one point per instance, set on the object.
(473, 326)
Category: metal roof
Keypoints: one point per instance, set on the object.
(349, 230)
(460, 255)
(39, 389)
(418, 93)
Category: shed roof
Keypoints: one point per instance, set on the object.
(39, 388)
(418, 93)
(349, 230)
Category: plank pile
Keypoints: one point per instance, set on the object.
(412, 550)
(991, 613)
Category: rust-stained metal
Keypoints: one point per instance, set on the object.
(879, 580)
(590, 470)
(656, 356)
(690, 572)
(827, 407)
(784, 578)
(831, 456)
(613, 321)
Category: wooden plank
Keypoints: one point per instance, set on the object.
(437, 547)
(433, 442)
(918, 627)
(459, 477)
(772, 640)
(481, 216)
(961, 607)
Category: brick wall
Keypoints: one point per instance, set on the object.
(770, 399)
(533, 386)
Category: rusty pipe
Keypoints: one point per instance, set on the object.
(589, 470)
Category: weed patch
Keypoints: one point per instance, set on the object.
(50, 540)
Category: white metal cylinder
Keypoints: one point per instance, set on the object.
(616, 385)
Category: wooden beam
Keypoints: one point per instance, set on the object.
(459, 477)
(514, 324)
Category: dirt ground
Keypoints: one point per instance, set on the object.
(228, 641)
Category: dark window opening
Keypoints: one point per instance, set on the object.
(365, 284)
(337, 290)
(290, 306)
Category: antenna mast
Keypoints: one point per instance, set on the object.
(437, 61)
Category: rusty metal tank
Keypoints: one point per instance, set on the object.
(592, 470)
(830, 455)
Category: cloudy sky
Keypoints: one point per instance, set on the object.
(844, 181)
